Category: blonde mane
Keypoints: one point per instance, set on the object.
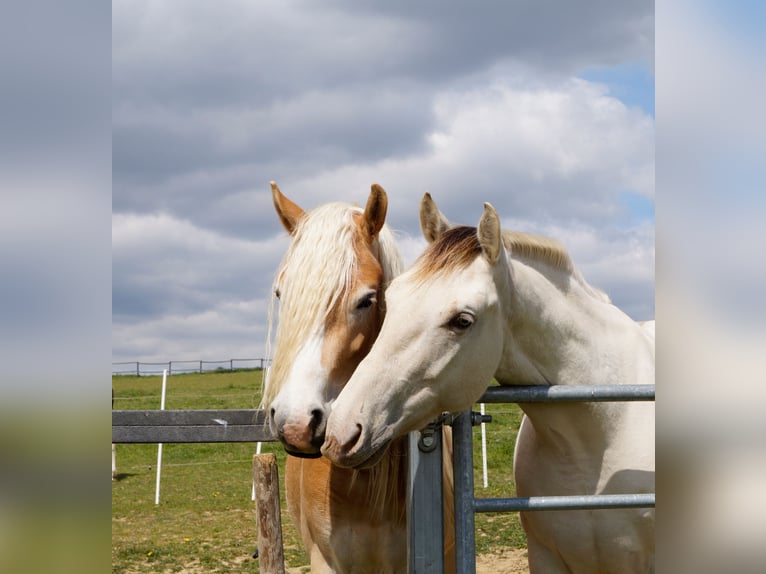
(538, 247)
(314, 274)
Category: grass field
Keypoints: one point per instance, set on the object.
(205, 521)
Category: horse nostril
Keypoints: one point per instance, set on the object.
(317, 425)
(354, 439)
(340, 448)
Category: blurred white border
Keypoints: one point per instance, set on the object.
(711, 281)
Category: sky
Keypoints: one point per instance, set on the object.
(545, 109)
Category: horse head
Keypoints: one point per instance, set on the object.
(330, 287)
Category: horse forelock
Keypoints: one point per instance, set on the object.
(455, 249)
(314, 275)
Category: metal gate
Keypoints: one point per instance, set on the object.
(425, 505)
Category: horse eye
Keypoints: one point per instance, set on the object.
(461, 321)
(366, 302)
(277, 292)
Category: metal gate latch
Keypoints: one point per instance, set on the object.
(427, 441)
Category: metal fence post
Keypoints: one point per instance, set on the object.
(462, 465)
(425, 502)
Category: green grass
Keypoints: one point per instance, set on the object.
(205, 521)
(497, 530)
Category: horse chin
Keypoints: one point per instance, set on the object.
(368, 459)
(363, 455)
(374, 458)
(303, 454)
(311, 450)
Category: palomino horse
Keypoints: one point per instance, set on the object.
(480, 303)
(331, 286)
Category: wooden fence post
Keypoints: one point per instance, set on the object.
(266, 477)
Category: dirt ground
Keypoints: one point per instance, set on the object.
(509, 561)
(506, 562)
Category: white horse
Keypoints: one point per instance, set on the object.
(483, 303)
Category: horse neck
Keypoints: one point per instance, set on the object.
(559, 330)
(381, 489)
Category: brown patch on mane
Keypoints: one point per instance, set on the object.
(456, 248)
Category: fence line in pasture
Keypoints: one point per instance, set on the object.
(144, 368)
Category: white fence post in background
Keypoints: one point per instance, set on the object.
(159, 446)
(258, 445)
(484, 446)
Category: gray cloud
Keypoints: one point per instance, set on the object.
(293, 88)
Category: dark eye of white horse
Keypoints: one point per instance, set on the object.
(277, 292)
(367, 301)
(461, 322)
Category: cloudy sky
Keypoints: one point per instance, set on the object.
(545, 109)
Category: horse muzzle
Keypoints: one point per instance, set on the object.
(301, 436)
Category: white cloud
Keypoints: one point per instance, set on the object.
(564, 152)
(181, 289)
(229, 330)
(135, 235)
(543, 135)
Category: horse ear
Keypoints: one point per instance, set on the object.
(432, 221)
(289, 213)
(490, 235)
(375, 210)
